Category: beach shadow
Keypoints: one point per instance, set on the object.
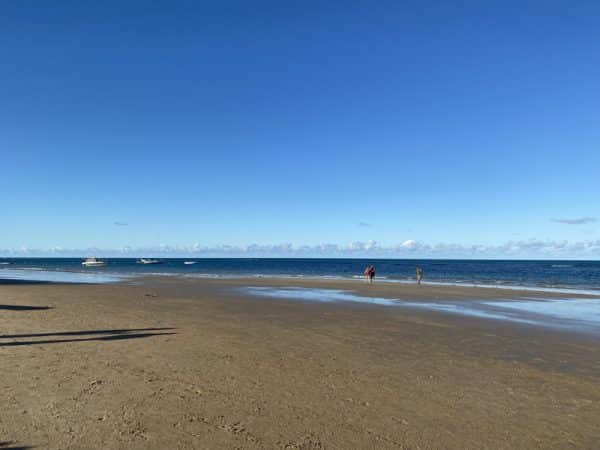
(105, 335)
(82, 333)
(3, 446)
(23, 307)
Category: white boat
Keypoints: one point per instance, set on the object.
(93, 262)
(189, 262)
(148, 261)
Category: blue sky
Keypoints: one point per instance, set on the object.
(191, 125)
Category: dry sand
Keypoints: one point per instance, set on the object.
(194, 364)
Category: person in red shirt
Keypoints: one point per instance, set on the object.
(370, 274)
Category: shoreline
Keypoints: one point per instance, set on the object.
(487, 307)
(427, 289)
(97, 277)
(575, 314)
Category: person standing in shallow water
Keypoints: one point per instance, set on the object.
(419, 275)
(370, 274)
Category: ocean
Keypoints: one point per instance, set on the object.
(551, 275)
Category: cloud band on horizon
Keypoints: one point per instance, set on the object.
(532, 248)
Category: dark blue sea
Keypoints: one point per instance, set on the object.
(556, 275)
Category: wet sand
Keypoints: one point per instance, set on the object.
(185, 364)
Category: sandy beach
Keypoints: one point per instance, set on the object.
(197, 364)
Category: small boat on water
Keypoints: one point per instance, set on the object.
(189, 262)
(93, 262)
(148, 261)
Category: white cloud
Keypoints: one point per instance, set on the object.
(576, 221)
(532, 248)
(360, 246)
(410, 244)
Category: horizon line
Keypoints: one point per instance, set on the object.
(425, 258)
